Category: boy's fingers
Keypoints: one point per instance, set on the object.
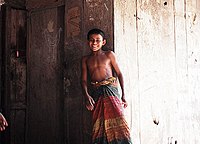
(93, 102)
(5, 123)
(2, 128)
(89, 107)
(124, 104)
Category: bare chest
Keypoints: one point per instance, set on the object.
(98, 61)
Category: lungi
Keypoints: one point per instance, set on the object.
(109, 124)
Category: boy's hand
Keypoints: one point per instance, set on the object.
(90, 103)
(124, 103)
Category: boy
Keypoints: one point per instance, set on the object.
(109, 125)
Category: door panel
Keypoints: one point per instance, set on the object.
(45, 122)
(14, 98)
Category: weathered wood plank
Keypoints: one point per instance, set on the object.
(18, 57)
(191, 116)
(156, 70)
(125, 42)
(73, 99)
(14, 73)
(181, 69)
(45, 76)
(18, 98)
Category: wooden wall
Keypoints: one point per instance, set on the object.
(158, 46)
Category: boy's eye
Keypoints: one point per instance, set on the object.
(93, 40)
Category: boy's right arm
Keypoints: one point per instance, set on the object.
(84, 77)
(89, 100)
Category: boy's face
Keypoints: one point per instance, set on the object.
(96, 42)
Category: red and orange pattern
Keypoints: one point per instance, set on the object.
(109, 124)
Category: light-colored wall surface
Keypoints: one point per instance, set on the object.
(158, 48)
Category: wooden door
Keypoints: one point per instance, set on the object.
(45, 119)
(13, 69)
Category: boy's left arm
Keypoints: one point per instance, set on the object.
(119, 75)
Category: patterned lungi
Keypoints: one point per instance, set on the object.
(109, 124)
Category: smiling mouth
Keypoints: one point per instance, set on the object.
(94, 47)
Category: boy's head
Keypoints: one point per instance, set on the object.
(95, 31)
(96, 39)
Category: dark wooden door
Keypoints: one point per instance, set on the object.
(31, 75)
(45, 77)
(13, 70)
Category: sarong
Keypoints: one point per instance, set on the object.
(109, 124)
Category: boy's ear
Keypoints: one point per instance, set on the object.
(104, 41)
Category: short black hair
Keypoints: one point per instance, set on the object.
(95, 31)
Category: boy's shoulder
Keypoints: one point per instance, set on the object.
(109, 53)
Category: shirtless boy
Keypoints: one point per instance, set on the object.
(109, 125)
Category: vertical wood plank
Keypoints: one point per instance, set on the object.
(191, 115)
(18, 98)
(14, 74)
(45, 76)
(181, 69)
(73, 99)
(125, 42)
(156, 64)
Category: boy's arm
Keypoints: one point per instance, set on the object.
(119, 75)
(89, 100)
(84, 78)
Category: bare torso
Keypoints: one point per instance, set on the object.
(99, 66)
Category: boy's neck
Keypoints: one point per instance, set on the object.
(97, 52)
